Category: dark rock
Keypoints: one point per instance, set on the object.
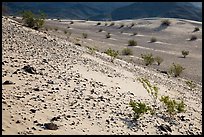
(55, 118)
(17, 122)
(36, 89)
(35, 121)
(78, 44)
(50, 82)
(50, 126)
(8, 82)
(33, 110)
(29, 69)
(108, 122)
(33, 128)
(165, 128)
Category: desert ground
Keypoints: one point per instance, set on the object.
(52, 77)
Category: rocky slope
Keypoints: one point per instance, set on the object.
(51, 86)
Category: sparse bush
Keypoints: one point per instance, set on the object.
(132, 43)
(159, 60)
(100, 30)
(176, 69)
(139, 109)
(126, 51)
(165, 22)
(172, 106)
(152, 91)
(98, 24)
(108, 35)
(193, 37)
(184, 53)
(196, 29)
(191, 84)
(112, 53)
(148, 59)
(84, 35)
(153, 39)
(33, 21)
(92, 50)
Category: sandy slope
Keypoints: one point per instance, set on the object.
(87, 93)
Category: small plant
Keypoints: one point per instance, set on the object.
(152, 91)
(148, 59)
(112, 24)
(112, 53)
(176, 69)
(172, 106)
(153, 39)
(196, 29)
(139, 108)
(122, 25)
(159, 60)
(84, 35)
(193, 37)
(92, 50)
(165, 22)
(191, 84)
(108, 35)
(100, 30)
(126, 51)
(98, 24)
(132, 43)
(185, 53)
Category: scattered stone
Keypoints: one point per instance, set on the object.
(165, 128)
(36, 89)
(50, 126)
(8, 82)
(29, 69)
(50, 82)
(55, 118)
(17, 122)
(33, 110)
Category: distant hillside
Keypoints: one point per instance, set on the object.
(110, 10)
(158, 9)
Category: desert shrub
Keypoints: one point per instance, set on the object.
(153, 39)
(33, 21)
(184, 53)
(172, 106)
(98, 24)
(100, 30)
(196, 29)
(165, 22)
(121, 25)
(176, 69)
(193, 37)
(112, 53)
(139, 108)
(108, 35)
(84, 35)
(112, 24)
(158, 59)
(132, 43)
(190, 84)
(148, 59)
(127, 51)
(152, 91)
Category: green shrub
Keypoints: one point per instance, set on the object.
(148, 59)
(33, 21)
(159, 60)
(153, 39)
(176, 69)
(108, 35)
(92, 50)
(193, 37)
(139, 108)
(127, 51)
(132, 43)
(172, 106)
(165, 22)
(191, 84)
(112, 53)
(84, 35)
(185, 53)
(152, 91)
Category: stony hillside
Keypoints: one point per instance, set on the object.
(51, 86)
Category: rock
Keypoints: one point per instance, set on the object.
(36, 89)
(17, 122)
(165, 128)
(50, 126)
(29, 69)
(107, 121)
(55, 118)
(50, 82)
(8, 82)
(33, 110)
